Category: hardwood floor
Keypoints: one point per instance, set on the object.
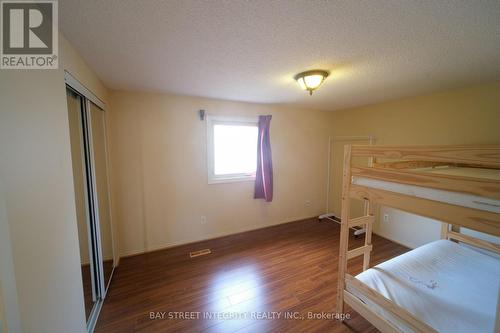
(290, 268)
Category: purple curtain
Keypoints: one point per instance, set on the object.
(264, 175)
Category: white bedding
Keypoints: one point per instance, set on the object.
(451, 287)
(454, 198)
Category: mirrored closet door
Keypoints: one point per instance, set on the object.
(98, 127)
(75, 104)
(87, 125)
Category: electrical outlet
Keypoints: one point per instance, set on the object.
(307, 203)
(386, 217)
(203, 220)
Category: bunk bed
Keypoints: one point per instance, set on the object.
(449, 285)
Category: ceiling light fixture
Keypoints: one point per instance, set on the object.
(311, 80)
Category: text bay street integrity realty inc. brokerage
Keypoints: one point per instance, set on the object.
(255, 315)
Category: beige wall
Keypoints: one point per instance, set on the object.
(160, 170)
(3, 322)
(35, 171)
(159, 161)
(464, 116)
(74, 64)
(9, 307)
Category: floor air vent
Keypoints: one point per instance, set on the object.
(199, 253)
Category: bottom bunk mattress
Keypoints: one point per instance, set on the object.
(449, 286)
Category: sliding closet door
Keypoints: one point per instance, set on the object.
(98, 129)
(92, 198)
(80, 180)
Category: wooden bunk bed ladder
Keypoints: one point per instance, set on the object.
(346, 223)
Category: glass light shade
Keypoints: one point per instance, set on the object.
(301, 83)
(311, 80)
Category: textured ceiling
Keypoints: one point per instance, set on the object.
(250, 50)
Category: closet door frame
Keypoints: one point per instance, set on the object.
(99, 285)
(87, 201)
(80, 89)
(103, 285)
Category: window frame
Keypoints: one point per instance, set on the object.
(213, 120)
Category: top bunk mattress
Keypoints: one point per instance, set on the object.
(451, 287)
(454, 198)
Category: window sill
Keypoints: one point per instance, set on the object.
(223, 180)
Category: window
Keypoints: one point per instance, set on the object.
(232, 148)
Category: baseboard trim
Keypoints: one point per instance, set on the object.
(216, 237)
(394, 241)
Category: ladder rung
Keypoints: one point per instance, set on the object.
(358, 251)
(361, 220)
